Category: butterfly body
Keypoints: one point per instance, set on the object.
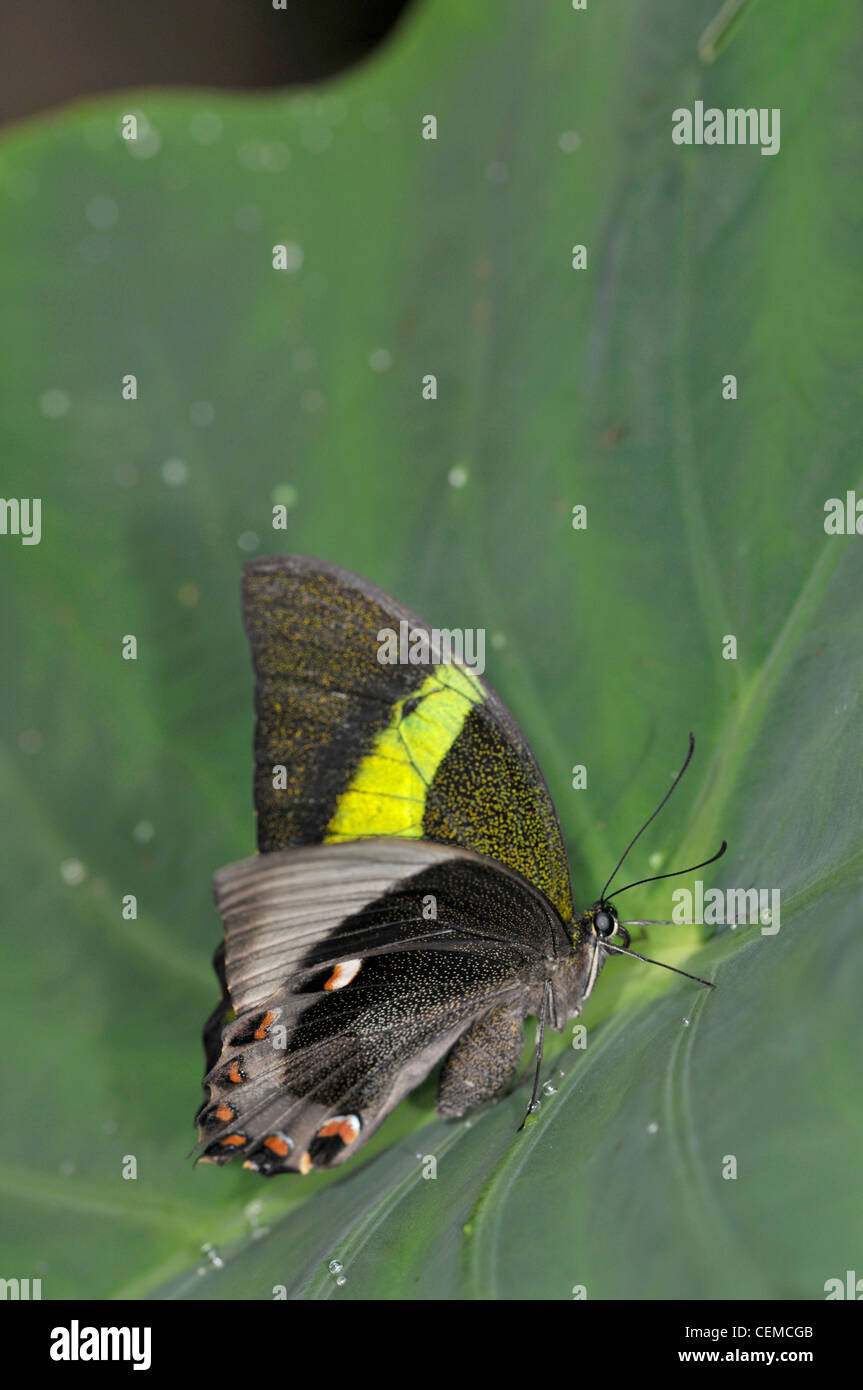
(410, 902)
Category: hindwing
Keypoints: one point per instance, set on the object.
(349, 971)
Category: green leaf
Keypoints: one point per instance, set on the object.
(555, 387)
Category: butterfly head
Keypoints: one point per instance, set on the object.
(591, 934)
(598, 925)
(605, 923)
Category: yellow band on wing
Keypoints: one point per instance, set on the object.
(386, 795)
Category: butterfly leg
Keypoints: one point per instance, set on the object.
(482, 1061)
(540, 1038)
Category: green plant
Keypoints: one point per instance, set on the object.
(556, 388)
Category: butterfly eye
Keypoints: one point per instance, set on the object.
(604, 923)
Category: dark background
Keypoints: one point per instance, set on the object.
(54, 52)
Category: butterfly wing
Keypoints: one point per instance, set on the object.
(350, 969)
(348, 746)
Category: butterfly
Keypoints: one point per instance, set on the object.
(410, 903)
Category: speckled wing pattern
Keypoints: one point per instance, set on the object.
(410, 894)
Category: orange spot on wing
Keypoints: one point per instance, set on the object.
(345, 1126)
(224, 1112)
(277, 1145)
(235, 1074)
(233, 1141)
(265, 1023)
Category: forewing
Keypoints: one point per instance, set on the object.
(348, 747)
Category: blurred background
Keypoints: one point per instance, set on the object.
(303, 387)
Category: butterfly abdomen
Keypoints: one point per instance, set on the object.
(483, 1060)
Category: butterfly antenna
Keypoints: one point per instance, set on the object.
(637, 836)
(675, 873)
(540, 1035)
(624, 951)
